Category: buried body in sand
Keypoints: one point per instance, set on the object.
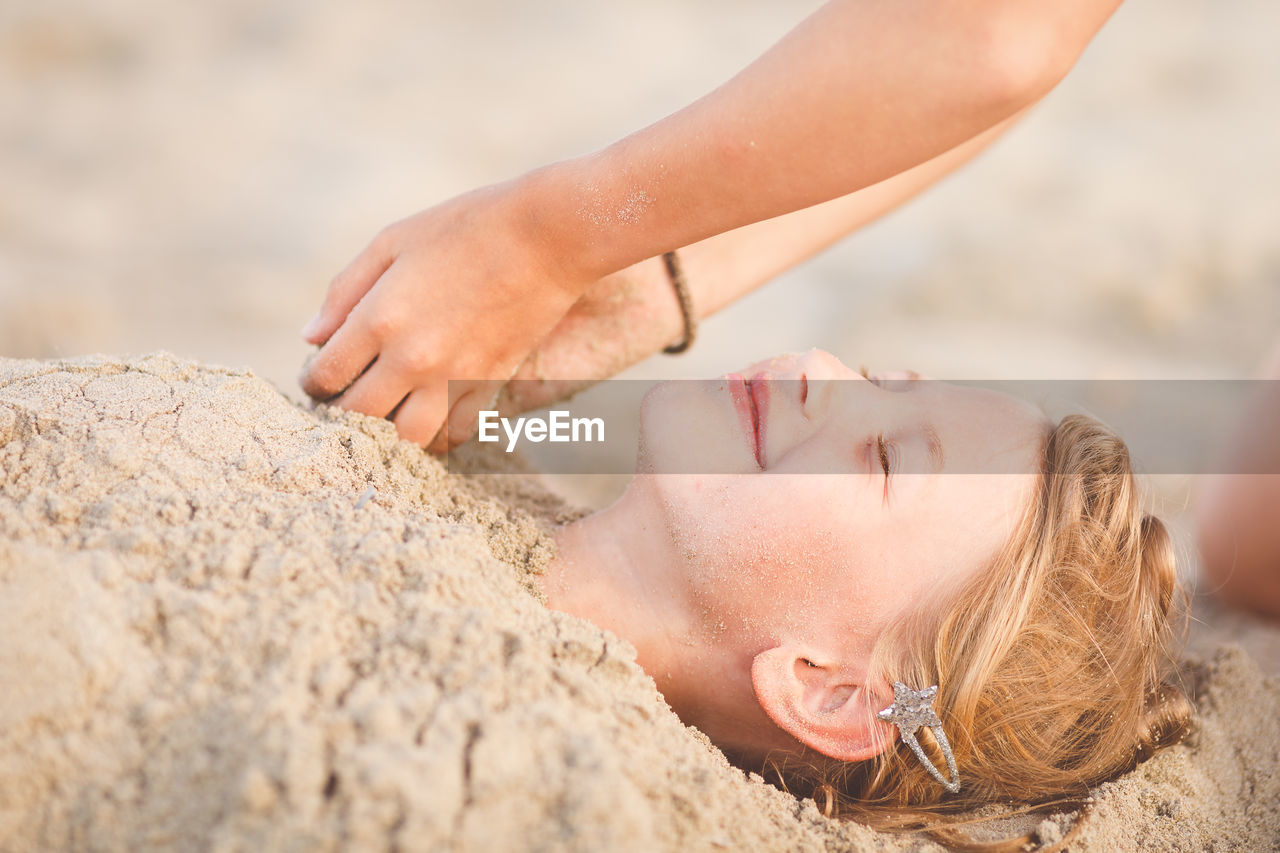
(229, 623)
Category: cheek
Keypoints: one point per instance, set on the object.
(690, 427)
(763, 542)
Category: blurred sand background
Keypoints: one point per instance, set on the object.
(189, 176)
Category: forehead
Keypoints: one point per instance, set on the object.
(984, 431)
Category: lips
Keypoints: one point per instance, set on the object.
(751, 400)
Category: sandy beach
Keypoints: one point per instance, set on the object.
(230, 622)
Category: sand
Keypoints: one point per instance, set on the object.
(230, 623)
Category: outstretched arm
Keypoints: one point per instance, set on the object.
(860, 91)
(632, 314)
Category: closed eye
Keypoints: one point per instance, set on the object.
(884, 448)
(888, 455)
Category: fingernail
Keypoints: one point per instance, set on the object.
(311, 328)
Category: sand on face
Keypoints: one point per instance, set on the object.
(230, 623)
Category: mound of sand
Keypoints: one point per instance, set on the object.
(227, 623)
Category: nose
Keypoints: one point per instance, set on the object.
(815, 364)
(819, 376)
(820, 365)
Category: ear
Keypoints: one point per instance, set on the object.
(825, 706)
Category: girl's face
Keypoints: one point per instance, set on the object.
(814, 538)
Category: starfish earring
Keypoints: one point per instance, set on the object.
(912, 709)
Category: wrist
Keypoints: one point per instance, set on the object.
(655, 307)
(535, 208)
(591, 215)
(525, 220)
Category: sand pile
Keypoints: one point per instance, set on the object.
(227, 623)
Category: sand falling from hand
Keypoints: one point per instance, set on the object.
(229, 623)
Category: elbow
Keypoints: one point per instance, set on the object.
(1022, 53)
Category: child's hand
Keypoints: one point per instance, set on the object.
(462, 291)
(620, 320)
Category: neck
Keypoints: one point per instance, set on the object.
(618, 570)
(621, 570)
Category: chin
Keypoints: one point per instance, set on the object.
(690, 427)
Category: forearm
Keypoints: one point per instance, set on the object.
(637, 311)
(859, 92)
(725, 267)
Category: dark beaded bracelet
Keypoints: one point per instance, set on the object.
(676, 273)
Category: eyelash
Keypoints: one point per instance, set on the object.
(884, 448)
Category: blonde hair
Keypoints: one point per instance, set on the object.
(1053, 665)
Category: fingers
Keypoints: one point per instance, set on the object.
(342, 359)
(377, 392)
(464, 415)
(419, 417)
(348, 288)
(445, 438)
